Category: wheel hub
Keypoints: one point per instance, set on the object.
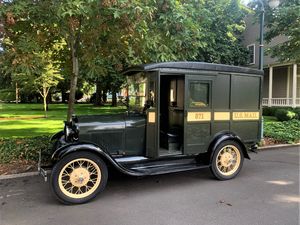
(226, 159)
(79, 177)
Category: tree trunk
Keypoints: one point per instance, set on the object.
(114, 99)
(45, 94)
(74, 44)
(74, 78)
(17, 94)
(104, 96)
(45, 105)
(98, 99)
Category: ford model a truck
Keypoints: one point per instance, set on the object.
(181, 116)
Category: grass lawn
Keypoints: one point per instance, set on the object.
(268, 119)
(17, 120)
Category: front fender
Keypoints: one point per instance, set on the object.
(73, 147)
(225, 137)
(57, 135)
(85, 146)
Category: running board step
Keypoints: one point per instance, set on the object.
(167, 168)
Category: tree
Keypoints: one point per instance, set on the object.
(48, 79)
(33, 27)
(285, 21)
(103, 37)
(224, 28)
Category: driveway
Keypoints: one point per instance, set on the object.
(265, 192)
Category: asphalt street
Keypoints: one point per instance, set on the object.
(265, 192)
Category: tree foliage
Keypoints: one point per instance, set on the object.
(285, 21)
(94, 40)
(223, 29)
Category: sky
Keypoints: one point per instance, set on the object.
(245, 2)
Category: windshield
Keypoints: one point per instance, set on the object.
(140, 92)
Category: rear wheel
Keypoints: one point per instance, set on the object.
(78, 177)
(227, 160)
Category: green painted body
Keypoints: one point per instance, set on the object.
(229, 89)
(118, 134)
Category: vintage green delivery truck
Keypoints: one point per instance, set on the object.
(181, 116)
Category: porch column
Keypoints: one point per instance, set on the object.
(270, 86)
(288, 84)
(294, 89)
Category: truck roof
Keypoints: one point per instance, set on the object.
(185, 65)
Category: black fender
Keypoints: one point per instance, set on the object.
(219, 138)
(57, 135)
(93, 148)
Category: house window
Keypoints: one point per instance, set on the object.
(251, 49)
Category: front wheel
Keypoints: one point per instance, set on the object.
(78, 177)
(227, 160)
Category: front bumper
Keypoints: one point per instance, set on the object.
(43, 170)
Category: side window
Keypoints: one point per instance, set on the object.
(199, 94)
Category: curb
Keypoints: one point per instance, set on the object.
(30, 174)
(270, 147)
(18, 175)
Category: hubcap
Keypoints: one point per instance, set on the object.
(228, 160)
(79, 178)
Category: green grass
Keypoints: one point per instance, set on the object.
(42, 126)
(268, 119)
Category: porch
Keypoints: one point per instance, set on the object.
(281, 86)
(280, 102)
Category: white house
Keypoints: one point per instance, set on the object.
(282, 79)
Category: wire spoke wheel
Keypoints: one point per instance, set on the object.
(228, 160)
(79, 178)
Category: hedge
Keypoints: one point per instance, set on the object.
(7, 95)
(282, 113)
(12, 149)
(286, 131)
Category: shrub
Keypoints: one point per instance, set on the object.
(23, 148)
(7, 95)
(267, 111)
(285, 115)
(297, 111)
(286, 131)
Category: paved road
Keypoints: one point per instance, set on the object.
(266, 192)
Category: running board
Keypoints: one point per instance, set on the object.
(166, 168)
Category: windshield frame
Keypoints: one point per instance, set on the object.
(137, 92)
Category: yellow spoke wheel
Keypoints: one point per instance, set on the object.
(227, 160)
(78, 177)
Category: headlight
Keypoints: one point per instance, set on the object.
(71, 131)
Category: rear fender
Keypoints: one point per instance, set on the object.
(228, 136)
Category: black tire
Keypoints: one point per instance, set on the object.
(99, 171)
(218, 162)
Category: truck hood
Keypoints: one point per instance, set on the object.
(96, 123)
